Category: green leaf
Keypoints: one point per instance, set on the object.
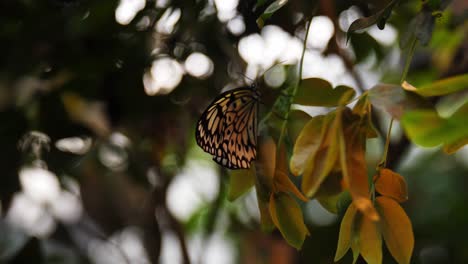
(319, 92)
(287, 216)
(330, 203)
(319, 165)
(420, 27)
(344, 200)
(307, 144)
(275, 6)
(455, 145)
(424, 128)
(380, 17)
(365, 45)
(240, 181)
(449, 104)
(428, 129)
(266, 223)
(441, 87)
(269, 11)
(425, 26)
(296, 122)
(330, 192)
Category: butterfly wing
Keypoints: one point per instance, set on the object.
(228, 128)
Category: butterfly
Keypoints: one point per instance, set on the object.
(228, 127)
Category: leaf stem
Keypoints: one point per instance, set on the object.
(383, 163)
(408, 60)
(296, 85)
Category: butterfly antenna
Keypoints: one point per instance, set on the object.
(247, 77)
(272, 66)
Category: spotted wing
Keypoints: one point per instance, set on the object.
(228, 128)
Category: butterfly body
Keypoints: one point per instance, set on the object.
(228, 128)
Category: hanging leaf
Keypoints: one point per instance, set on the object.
(394, 100)
(282, 182)
(355, 248)
(396, 229)
(352, 151)
(440, 87)
(264, 170)
(269, 11)
(364, 45)
(380, 17)
(287, 216)
(420, 28)
(266, 160)
(370, 241)
(307, 143)
(240, 181)
(363, 109)
(319, 92)
(452, 147)
(391, 184)
(318, 166)
(344, 200)
(296, 122)
(346, 232)
(330, 191)
(266, 223)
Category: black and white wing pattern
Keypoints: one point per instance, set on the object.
(228, 128)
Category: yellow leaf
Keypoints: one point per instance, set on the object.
(396, 229)
(272, 208)
(307, 144)
(363, 109)
(346, 232)
(287, 216)
(240, 181)
(353, 165)
(318, 166)
(266, 223)
(282, 182)
(452, 147)
(281, 160)
(296, 122)
(391, 184)
(266, 161)
(355, 248)
(370, 241)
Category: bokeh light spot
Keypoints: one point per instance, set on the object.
(199, 65)
(39, 184)
(321, 30)
(127, 10)
(165, 74)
